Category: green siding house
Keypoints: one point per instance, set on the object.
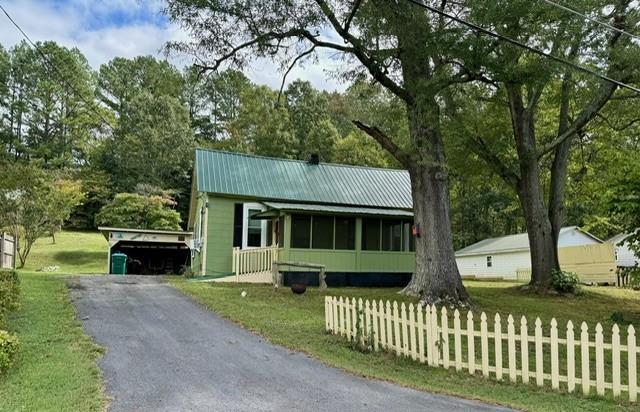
(248, 211)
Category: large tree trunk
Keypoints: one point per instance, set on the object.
(436, 278)
(543, 250)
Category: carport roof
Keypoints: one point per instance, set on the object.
(105, 231)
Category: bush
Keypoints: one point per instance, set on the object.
(8, 349)
(564, 282)
(9, 291)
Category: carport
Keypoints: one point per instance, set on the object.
(149, 252)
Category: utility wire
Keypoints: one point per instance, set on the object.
(517, 43)
(591, 19)
(53, 66)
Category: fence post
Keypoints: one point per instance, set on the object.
(344, 320)
(389, 330)
(584, 348)
(444, 322)
(539, 353)
(524, 349)
(354, 318)
(336, 328)
(405, 338)
(430, 338)
(497, 337)
(367, 322)
(420, 321)
(375, 319)
(571, 359)
(599, 360)
(615, 360)
(631, 353)
(382, 316)
(555, 378)
(327, 314)
(361, 323)
(396, 329)
(484, 344)
(471, 343)
(1, 250)
(436, 335)
(457, 344)
(412, 332)
(511, 349)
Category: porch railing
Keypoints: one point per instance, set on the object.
(253, 261)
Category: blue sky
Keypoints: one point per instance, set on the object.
(103, 30)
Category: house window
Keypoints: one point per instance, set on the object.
(489, 261)
(300, 231)
(254, 231)
(345, 233)
(280, 231)
(322, 232)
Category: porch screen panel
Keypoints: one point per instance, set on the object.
(370, 234)
(322, 233)
(300, 231)
(345, 233)
(392, 235)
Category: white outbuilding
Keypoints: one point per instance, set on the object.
(625, 257)
(508, 257)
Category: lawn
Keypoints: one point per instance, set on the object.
(298, 323)
(73, 252)
(56, 366)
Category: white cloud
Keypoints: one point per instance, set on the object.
(90, 26)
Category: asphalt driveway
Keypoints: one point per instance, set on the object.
(167, 353)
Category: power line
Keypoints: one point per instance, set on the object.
(591, 19)
(524, 46)
(53, 66)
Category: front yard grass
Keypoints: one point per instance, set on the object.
(297, 322)
(56, 368)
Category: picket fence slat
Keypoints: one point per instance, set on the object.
(423, 333)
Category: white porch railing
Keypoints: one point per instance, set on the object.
(256, 261)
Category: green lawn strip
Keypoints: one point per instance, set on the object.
(74, 252)
(297, 322)
(56, 368)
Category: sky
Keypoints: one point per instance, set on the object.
(103, 30)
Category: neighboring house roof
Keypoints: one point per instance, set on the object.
(268, 178)
(348, 210)
(618, 239)
(510, 243)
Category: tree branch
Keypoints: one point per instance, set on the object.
(384, 141)
(481, 148)
(361, 52)
(293, 63)
(352, 14)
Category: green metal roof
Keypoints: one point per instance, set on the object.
(299, 181)
(347, 210)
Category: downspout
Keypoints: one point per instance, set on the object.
(205, 236)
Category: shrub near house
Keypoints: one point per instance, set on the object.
(9, 291)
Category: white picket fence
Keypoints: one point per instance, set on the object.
(253, 262)
(424, 334)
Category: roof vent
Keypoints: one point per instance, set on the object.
(314, 159)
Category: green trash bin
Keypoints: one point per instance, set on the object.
(118, 264)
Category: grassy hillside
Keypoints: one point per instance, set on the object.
(73, 252)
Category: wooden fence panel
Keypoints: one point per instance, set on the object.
(423, 334)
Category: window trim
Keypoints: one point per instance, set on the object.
(245, 225)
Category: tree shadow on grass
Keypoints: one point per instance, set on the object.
(80, 257)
